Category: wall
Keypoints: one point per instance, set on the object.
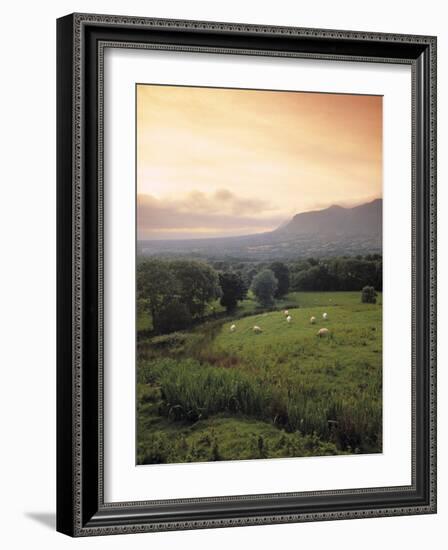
(27, 305)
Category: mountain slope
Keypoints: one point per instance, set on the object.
(365, 219)
(329, 232)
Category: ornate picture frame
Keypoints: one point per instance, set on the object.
(81, 506)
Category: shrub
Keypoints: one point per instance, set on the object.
(264, 286)
(368, 295)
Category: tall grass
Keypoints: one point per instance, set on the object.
(191, 390)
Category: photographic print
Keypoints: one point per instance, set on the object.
(222, 301)
(258, 274)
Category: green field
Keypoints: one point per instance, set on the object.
(213, 394)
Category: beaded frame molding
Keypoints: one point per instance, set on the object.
(81, 40)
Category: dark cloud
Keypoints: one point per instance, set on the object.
(202, 215)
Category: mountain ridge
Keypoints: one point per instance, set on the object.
(363, 219)
(335, 230)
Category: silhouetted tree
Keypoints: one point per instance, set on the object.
(281, 272)
(233, 289)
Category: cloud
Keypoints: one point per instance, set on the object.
(210, 158)
(222, 201)
(203, 215)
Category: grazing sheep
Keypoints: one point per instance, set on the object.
(257, 329)
(232, 328)
(289, 318)
(286, 312)
(313, 320)
(324, 316)
(323, 332)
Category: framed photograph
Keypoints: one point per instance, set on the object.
(246, 274)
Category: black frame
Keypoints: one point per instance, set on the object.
(81, 39)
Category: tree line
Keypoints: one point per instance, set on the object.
(315, 274)
(177, 292)
(338, 273)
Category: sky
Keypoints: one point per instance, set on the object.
(215, 162)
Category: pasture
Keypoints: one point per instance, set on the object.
(216, 394)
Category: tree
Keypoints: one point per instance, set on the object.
(264, 286)
(368, 295)
(281, 272)
(317, 278)
(306, 279)
(233, 289)
(156, 287)
(174, 315)
(175, 291)
(248, 276)
(198, 283)
(313, 261)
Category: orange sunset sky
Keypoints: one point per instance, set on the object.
(217, 162)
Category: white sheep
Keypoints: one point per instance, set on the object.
(257, 329)
(323, 332)
(289, 318)
(313, 320)
(286, 312)
(232, 328)
(324, 316)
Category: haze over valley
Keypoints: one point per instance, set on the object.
(332, 231)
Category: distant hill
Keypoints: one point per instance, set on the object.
(366, 219)
(333, 231)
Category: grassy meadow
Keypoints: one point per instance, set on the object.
(209, 393)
